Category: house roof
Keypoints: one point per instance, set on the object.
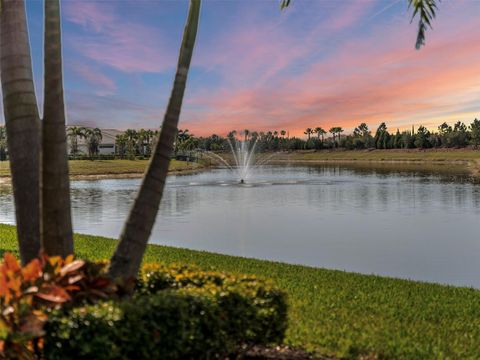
(108, 135)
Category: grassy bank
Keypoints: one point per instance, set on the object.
(80, 168)
(429, 155)
(339, 313)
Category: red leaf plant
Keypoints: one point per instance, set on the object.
(28, 293)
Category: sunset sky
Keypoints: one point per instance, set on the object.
(320, 63)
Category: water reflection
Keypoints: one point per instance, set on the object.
(417, 222)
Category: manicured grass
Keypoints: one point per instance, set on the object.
(110, 167)
(385, 155)
(339, 313)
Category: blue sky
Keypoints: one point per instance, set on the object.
(320, 63)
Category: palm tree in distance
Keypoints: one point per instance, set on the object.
(94, 138)
(333, 131)
(320, 132)
(131, 137)
(121, 145)
(308, 132)
(283, 133)
(424, 9)
(74, 133)
(339, 131)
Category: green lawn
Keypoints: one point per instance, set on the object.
(339, 313)
(110, 167)
(385, 155)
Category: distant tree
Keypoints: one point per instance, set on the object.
(93, 139)
(121, 145)
(381, 137)
(361, 130)
(283, 133)
(459, 135)
(422, 138)
(131, 137)
(320, 133)
(333, 131)
(308, 132)
(74, 133)
(339, 132)
(475, 132)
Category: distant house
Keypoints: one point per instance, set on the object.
(106, 147)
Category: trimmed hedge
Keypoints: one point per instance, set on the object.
(177, 312)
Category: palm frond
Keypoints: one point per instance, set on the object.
(284, 4)
(426, 11)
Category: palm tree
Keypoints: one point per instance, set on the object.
(283, 133)
(339, 131)
(94, 138)
(333, 131)
(22, 122)
(320, 132)
(56, 229)
(425, 9)
(121, 145)
(149, 136)
(144, 139)
(131, 136)
(74, 133)
(308, 132)
(133, 240)
(246, 132)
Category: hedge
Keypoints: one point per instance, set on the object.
(177, 312)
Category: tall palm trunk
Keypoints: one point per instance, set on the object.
(22, 123)
(133, 240)
(56, 225)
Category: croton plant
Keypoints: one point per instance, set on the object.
(29, 293)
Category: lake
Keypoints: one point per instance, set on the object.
(417, 223)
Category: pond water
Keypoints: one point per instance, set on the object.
(415, 223)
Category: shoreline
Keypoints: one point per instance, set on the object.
(465, 160)
(5, 180)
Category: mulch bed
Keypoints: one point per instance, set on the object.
(278, 353)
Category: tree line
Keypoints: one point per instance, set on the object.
(446, 136)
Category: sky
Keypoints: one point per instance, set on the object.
(319, 63)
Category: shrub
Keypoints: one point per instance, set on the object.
(166, 325)
(177, 312)
(257, 309)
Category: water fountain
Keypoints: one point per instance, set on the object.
(243, 159)
(244, 155)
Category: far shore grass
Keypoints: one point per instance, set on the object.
(427, 155)
(112, 168)
(336, 313)
(469, 159)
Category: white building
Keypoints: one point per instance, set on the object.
(106, 147)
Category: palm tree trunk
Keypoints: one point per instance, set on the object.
(22, 123)
(133, 240)
(56, 226)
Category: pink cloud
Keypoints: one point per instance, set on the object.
(95, 77)
(348, 15)
(112, 41)
(377, 78)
